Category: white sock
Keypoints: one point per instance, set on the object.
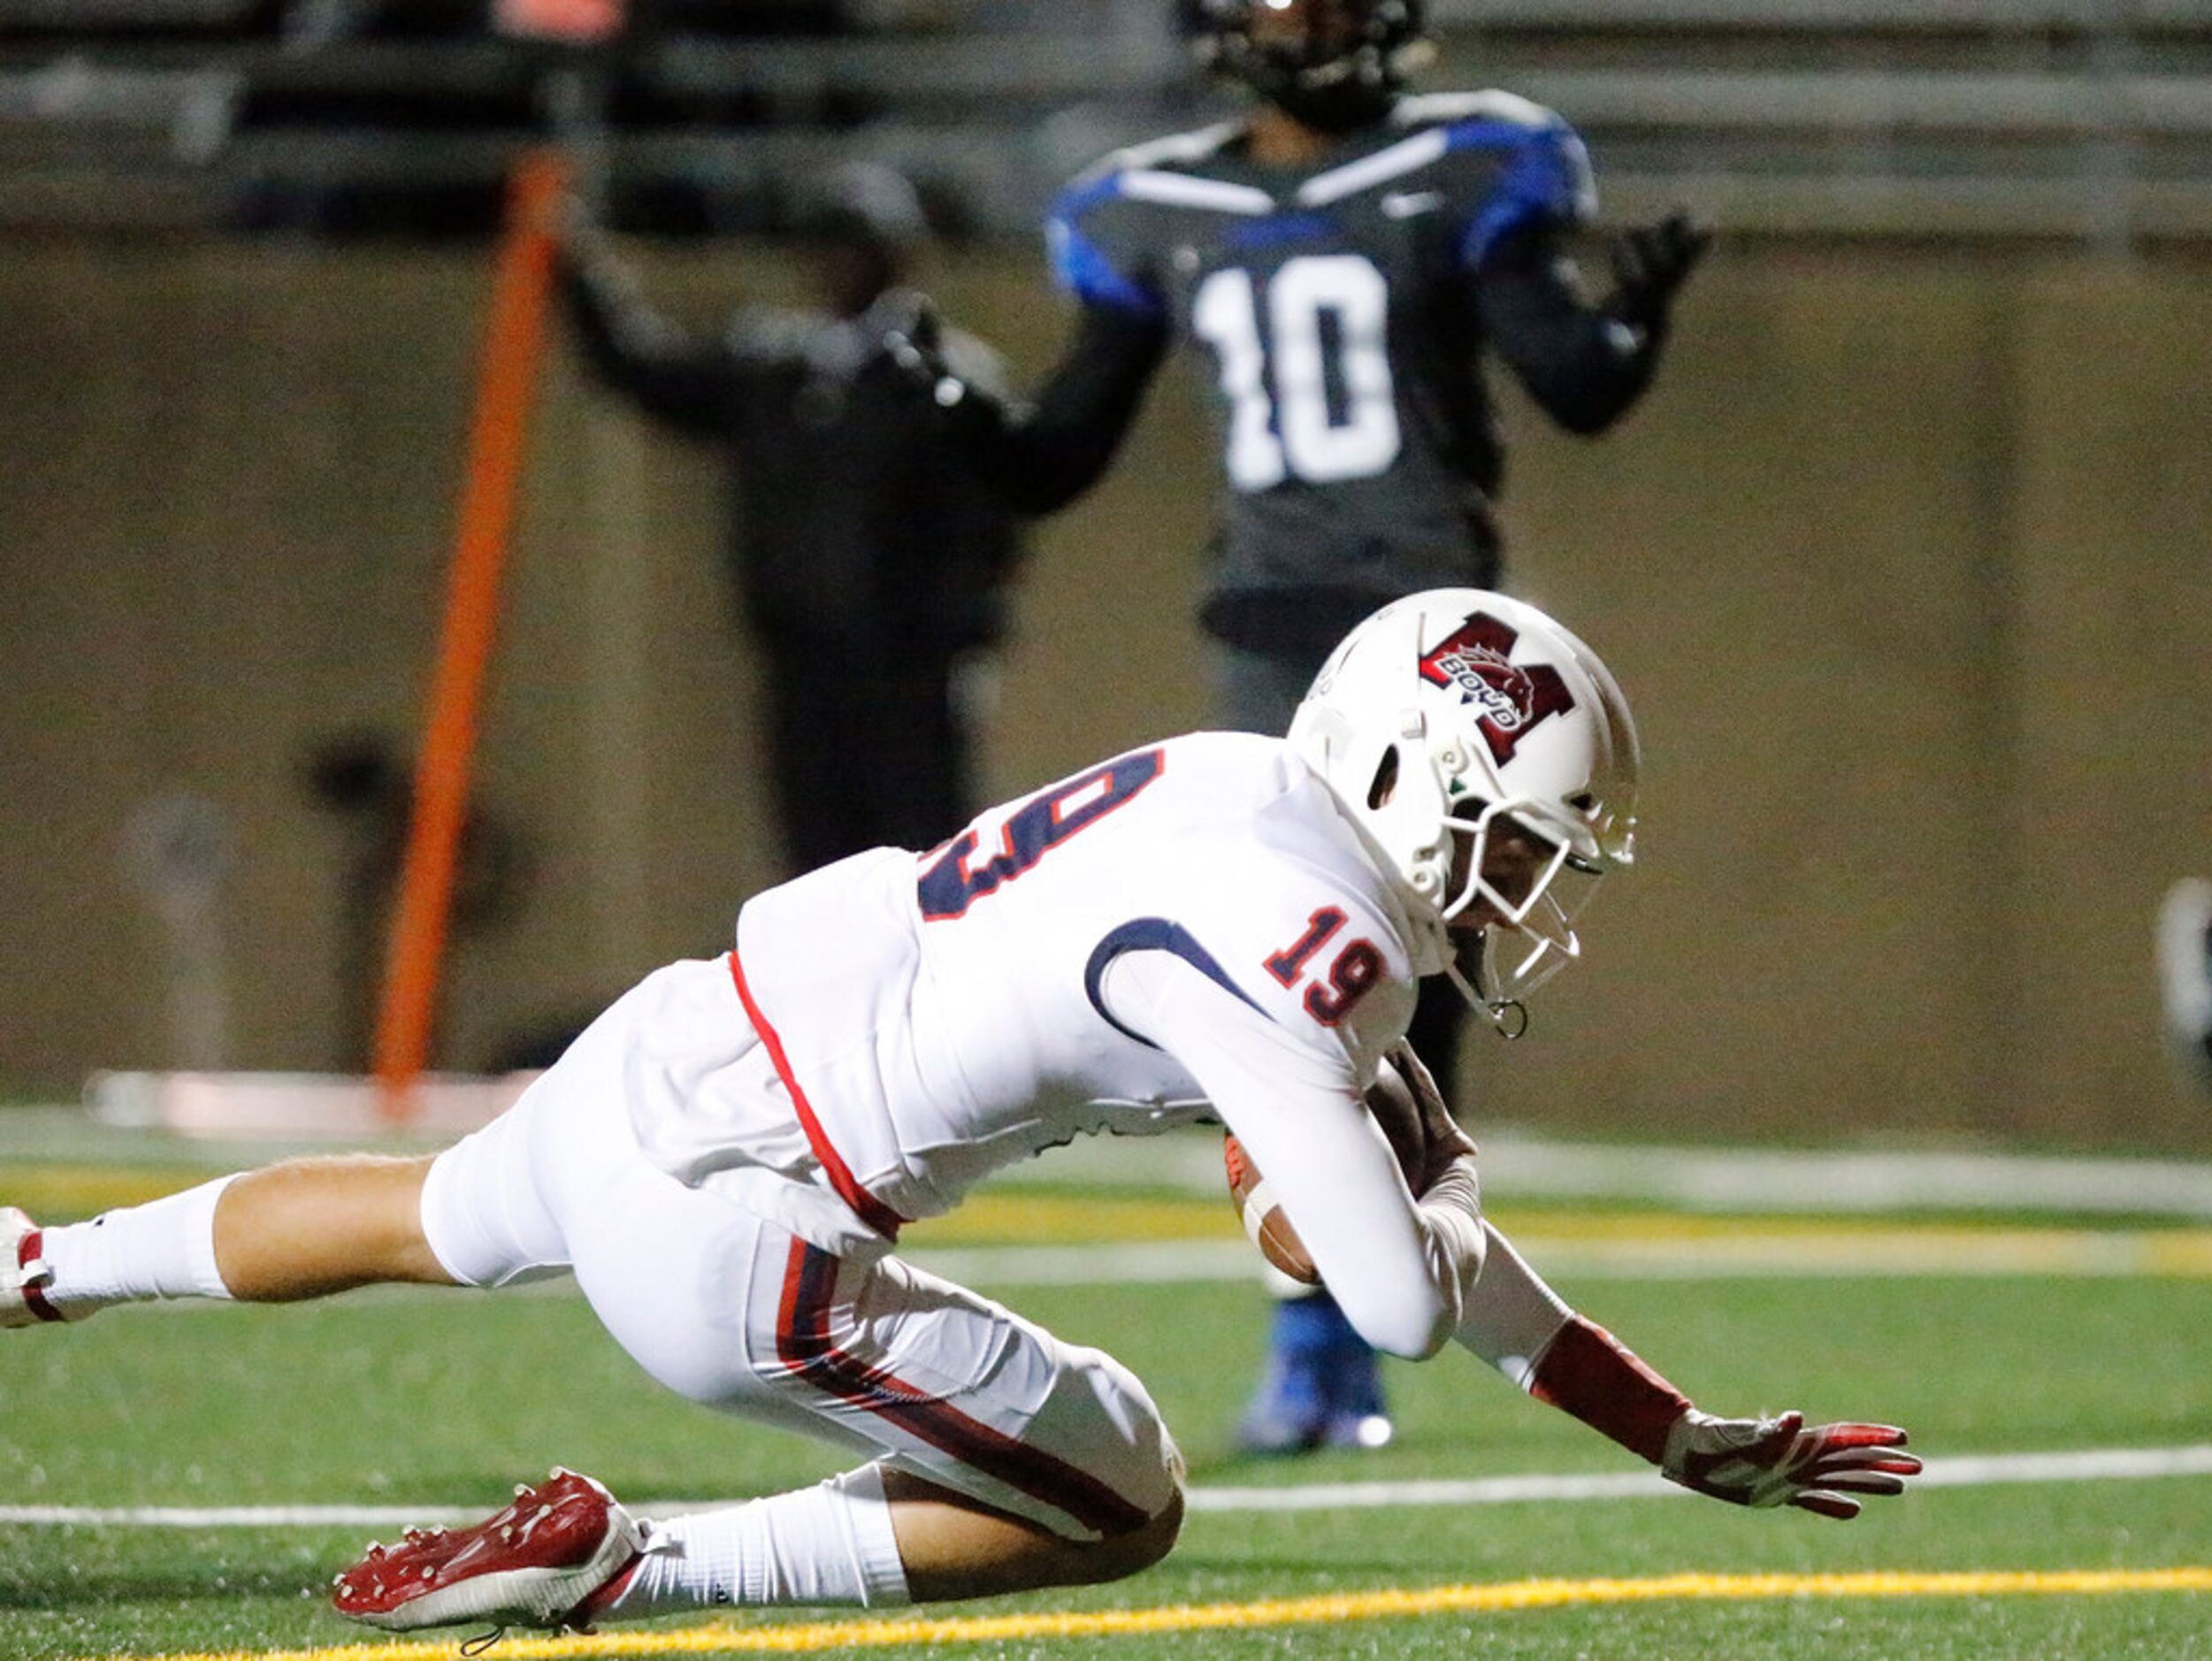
(829, 1544)
(163, 1249)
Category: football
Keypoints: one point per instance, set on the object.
(1391, 1100)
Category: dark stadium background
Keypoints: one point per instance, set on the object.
(1904, 563)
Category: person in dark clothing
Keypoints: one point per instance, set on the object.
(1349, 256)
(870, 565)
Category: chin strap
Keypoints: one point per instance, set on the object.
(1508, 1016)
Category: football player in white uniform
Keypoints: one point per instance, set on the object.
(1348, 263)
(1219, 925)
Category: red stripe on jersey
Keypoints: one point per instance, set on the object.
(803, 1342)
(866, 1206)
(27, 1252)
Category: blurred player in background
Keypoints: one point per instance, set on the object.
(2184, 977)
(1223, 924)
(1346, 255)
(870, 566)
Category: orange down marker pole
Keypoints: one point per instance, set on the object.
(514, 344)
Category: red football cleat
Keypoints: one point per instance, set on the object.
(24, 1277)
(532, 1565)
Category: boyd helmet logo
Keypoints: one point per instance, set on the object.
(1477, 659)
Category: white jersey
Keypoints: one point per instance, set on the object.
(1192, 928)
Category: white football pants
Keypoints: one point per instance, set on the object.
(735, 1311)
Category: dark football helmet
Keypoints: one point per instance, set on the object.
(1335, 64)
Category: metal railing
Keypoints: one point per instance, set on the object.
(2078, 118)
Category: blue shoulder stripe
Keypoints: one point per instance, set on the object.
(1087, 193)
(1546, 177)
(1151, 934)
(1079, 264)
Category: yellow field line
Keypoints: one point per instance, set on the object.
(63, 1190)
(1335, 1607)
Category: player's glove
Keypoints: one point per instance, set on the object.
(915, 346)
(1650, 262)
(1782, 1462)
(1444, 1140)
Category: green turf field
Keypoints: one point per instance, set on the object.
(446, 1399)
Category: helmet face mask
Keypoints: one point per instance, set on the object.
(1527, 932)
(1489, 761)
(1333, 64)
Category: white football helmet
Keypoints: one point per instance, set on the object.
(1458, 718)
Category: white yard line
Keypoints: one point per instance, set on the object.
(1743, 1252)
(1517, 1167)
(1787, 1180)
(2105, 1465)
(2108, 1465)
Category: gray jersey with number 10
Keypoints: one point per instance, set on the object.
(1338, 305)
